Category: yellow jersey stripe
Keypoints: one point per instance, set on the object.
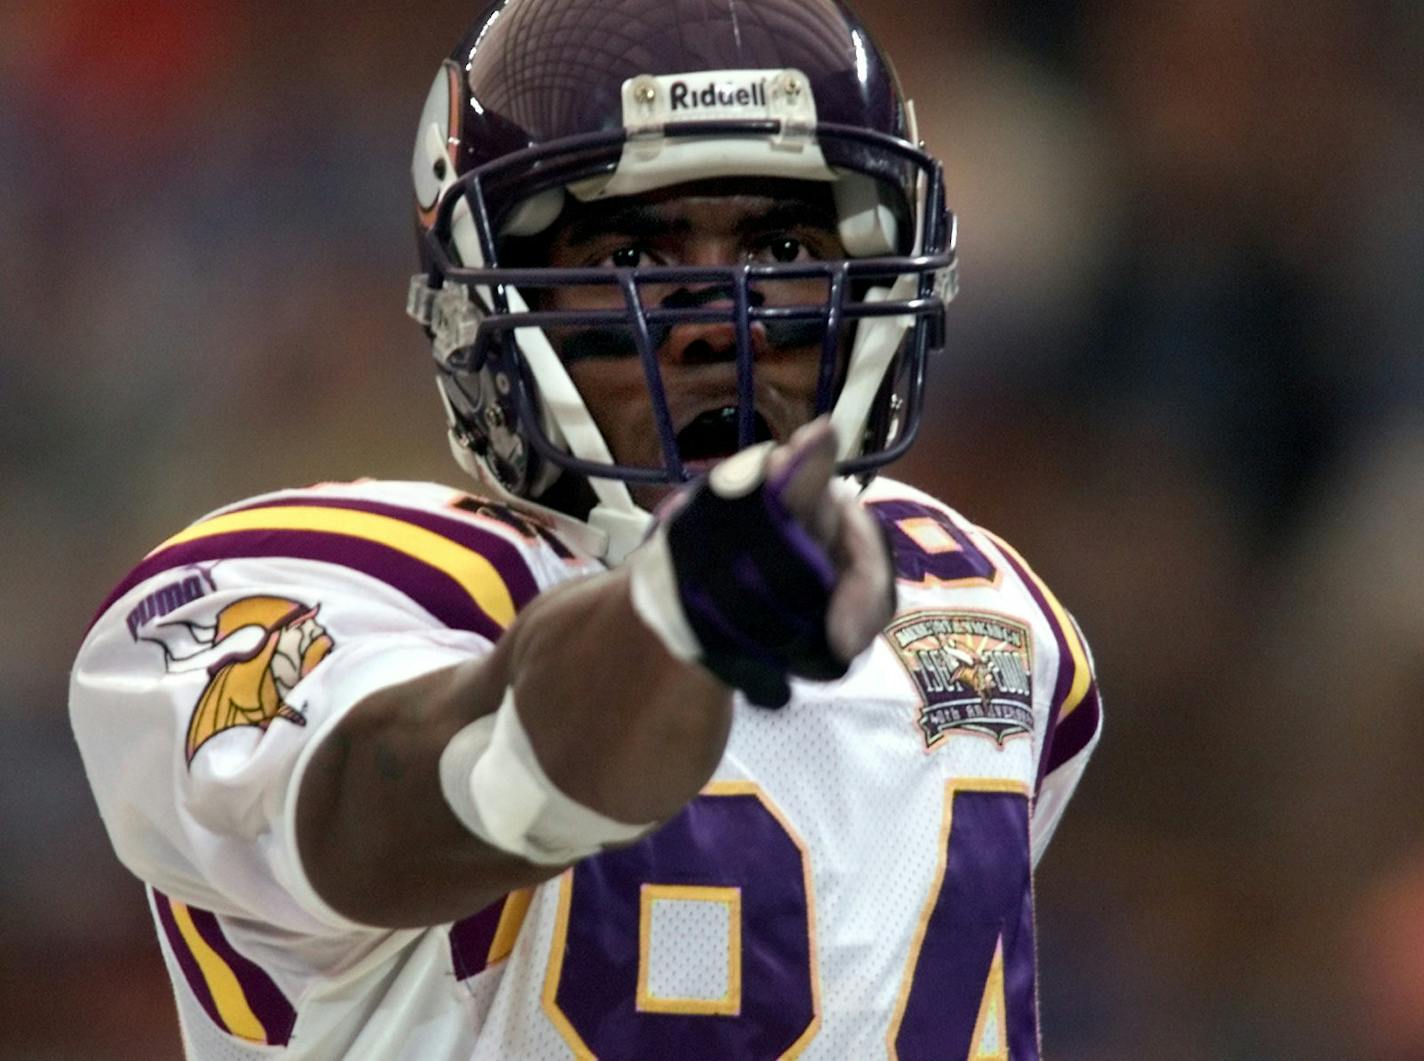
(473, 572)
(1082, 673)
(222, 982)
(511, 920)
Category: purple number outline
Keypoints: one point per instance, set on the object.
(927, 1007)
(717, 790)
(966, 565)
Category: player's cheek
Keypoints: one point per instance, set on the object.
(614, 392)
(794, 375)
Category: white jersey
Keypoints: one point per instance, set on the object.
(855, 881)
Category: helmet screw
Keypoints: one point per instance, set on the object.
(501, 383)
(645, 91)
(494, 419)
(791, 86)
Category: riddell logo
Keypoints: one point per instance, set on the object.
(684, 97)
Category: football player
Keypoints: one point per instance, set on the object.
(682, 733)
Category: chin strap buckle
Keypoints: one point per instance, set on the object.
(446, 312)
(947, 283)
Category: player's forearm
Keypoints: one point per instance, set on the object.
(617, 724)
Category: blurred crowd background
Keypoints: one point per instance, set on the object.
(1185, 378)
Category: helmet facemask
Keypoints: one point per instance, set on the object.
(517, 418)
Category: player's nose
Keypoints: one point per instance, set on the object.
(715, 340)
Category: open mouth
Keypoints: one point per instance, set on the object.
(713, 435)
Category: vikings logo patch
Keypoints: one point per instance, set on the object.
(255, 653)
(972, 670)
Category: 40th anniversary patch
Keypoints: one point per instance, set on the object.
(973, 670)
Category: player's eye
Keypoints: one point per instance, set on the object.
(629, 257)
(783, 249)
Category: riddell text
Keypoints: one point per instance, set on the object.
(684, 97)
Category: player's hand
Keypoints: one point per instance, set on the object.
(768, 568)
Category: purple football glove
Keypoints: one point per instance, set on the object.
(765, 569)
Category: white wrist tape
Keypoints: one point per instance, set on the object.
(493, 782)
(652, 584)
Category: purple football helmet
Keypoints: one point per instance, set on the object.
(547, 102)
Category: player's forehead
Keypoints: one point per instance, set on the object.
(723, 207)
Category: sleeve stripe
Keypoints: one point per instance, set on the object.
(470, 584)
(185, 958)
(475, 574)
(1064, 629)
(1075, 674)
(234, 991)
(1074, 734)
(501, 554)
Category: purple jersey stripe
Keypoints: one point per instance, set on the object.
(1065, 655)
(498, 551)
(1075, 732)
(471, 937)
(431, 588)
(179, 948)
(263, 996)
